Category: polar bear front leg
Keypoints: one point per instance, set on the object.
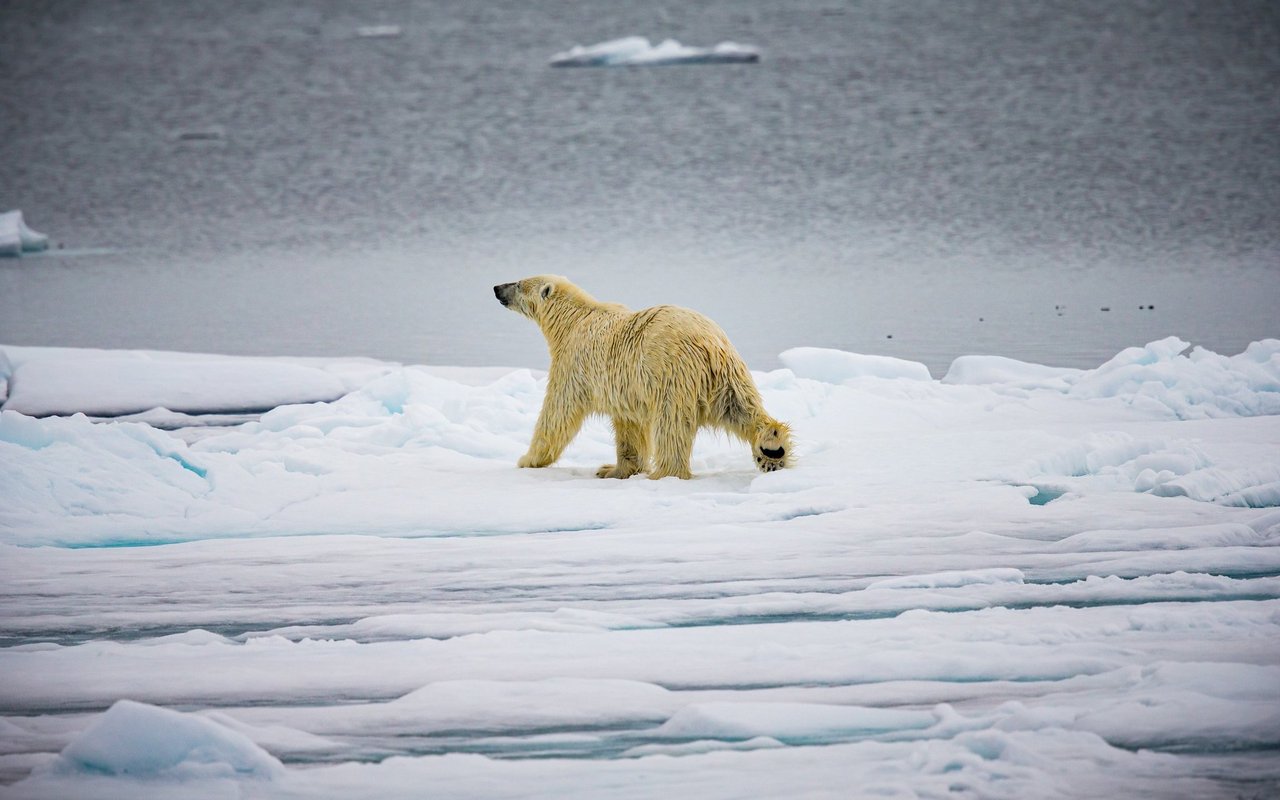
(561, 417)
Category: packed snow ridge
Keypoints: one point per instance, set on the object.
(1017, 581)
(636, 51)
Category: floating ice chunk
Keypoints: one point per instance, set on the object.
(837, 366)
(16, 238)
(634, 51)
(610, 53)
(142, 740)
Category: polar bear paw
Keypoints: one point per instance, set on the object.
(772, 447)
(616, 471)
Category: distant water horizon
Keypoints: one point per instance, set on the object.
(1045, 181)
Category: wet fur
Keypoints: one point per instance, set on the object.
(659, 374)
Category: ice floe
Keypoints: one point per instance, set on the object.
(16, 238)
(636, 51)
(1018, 581)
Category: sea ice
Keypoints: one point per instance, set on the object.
(1014, 582)
(837, 366)
(635, 51)
(50, 381)
(16, 238)
(140, 740)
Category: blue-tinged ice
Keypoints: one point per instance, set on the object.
(141, 740)
(16, 238)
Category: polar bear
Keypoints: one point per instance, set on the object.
(659, 374)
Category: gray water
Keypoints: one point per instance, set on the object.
(923, 179)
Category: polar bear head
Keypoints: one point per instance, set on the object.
(531, 296)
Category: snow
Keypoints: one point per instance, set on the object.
(142, 740)
(1017, 581)
(16, 238)
(45, 381)
(836, 366)
(1161, 377)
(636, 51)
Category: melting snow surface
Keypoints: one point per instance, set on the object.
(1017, 581)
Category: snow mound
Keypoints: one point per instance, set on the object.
(837, 366)
(1196, 385)
(16, 238)
(1162, 377)
(635, 51)
(1161, 467)
(988, 370)
(142, 740)
(1246, 487)
(45, 382)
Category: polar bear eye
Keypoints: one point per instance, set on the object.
(771, 453)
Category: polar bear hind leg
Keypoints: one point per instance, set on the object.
(771, 445)
(673, 433)
(740, 411)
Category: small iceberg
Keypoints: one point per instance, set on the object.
(16, 238)
(149, 742)
(635, 51)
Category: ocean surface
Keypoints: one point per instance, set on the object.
(1050, 181)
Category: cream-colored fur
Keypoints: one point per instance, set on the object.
(659, 374)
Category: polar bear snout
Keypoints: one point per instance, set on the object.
(504, 292)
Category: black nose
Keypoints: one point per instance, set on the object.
(502, 292)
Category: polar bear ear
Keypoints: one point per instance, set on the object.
(546, 290)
